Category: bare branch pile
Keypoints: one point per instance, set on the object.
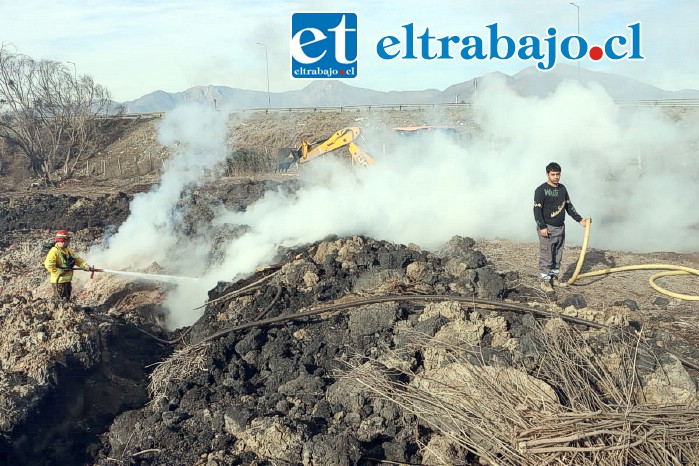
(572, 403)
(182, 364)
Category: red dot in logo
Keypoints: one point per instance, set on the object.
(342, 71)
(596, 53)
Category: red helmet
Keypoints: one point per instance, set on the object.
(62, 235)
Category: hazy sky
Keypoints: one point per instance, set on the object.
(134, 47)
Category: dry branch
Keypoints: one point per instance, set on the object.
(179, 366)
(507, 416)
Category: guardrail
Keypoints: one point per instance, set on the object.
(133, 116)
(358, 108)
(659, 103)
(405, 107)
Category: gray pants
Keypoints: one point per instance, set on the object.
(551, 251)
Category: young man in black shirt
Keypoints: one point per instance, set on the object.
(551, 202)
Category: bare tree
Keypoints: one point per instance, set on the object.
(52, 116)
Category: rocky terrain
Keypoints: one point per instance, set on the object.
(345, 351)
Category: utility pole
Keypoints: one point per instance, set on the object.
(269, 99)
(578, 8)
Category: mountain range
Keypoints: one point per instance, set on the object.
(332, 93)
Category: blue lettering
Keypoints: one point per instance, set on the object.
(425, 45)
(609, 47)
(636, 42)
(495, 43)
(445, 45)
(409, 41)
(530, 50)
(472, 51)
(565, 47)
(551, 41)
(526, 47)
(382, 46)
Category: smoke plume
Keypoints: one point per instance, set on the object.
(631, 169)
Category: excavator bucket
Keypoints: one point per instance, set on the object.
(286, 156)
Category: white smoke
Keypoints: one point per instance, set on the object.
(152, 233)
(628, 169)
(196, 136)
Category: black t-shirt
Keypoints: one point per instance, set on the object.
(549, 205)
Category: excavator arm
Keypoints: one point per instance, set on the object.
(360, 156)
(310, 150)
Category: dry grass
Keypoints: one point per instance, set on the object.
(262, 135)
(182, 364)
(570, 407)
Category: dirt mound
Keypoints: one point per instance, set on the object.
(65, 372)
(275, 372)
(348, 351)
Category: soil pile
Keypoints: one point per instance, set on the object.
(312, 361)
(347, 351)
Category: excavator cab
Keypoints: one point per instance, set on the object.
(286, 157)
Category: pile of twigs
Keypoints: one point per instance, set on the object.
(565, 405)
(178, 367)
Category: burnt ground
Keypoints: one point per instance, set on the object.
(100, 382)
(628, 290)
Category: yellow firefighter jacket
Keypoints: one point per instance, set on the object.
(65, 258)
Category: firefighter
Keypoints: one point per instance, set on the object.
(60, 262)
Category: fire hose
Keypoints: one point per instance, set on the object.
(669, 270)
(92, 270)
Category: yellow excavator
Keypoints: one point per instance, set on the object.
(310, 150)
